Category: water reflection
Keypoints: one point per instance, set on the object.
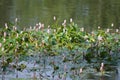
(86, 13)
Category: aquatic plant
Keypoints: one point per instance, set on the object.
(68, 40)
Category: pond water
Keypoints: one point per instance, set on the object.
(54, 68)
(86, 13)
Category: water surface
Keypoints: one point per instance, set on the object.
(86, 13)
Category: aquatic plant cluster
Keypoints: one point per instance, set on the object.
(98, 48)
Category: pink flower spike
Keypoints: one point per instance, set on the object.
(65, 21)
(101, 68)
(5, 34)
(99, 38)
(0, 45)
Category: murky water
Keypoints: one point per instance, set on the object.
(86, 13)
(55, 68)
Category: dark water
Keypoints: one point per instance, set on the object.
(86, 13)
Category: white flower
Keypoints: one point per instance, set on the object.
(4, 39)
(36, 44)
(117, 30)
(16, 19)
(27, 44)
(112, 25)
(87, 40)
(48, 26)
(42, 25)
(30, 28)
(21, 32)
(14, 28)
(5, 34)
(64, 30)
(82, 29)
(2, 49)
(6, 26)
(71, 20)
(108, 30)
(10, 44)
(54, 18)
(0, 45)
(54, 30)
(85, 37)
(64, 24)
(23, 39)
(65, 21)
(81, 70)
(34, 27)
(43, 41)
(48, 30)
(17, 35)
(98, 27)
(99, 38)
(102, 64)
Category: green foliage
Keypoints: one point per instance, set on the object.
(98, 46)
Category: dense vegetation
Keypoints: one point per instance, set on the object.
(96, 48)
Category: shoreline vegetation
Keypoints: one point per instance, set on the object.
(99, 49)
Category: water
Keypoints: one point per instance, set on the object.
(86, 13)
(70, 71)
